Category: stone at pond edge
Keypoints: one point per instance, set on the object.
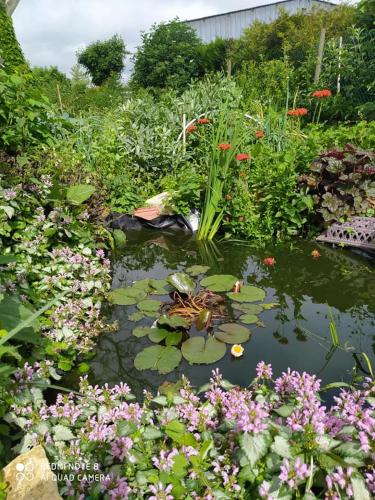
(30, 477)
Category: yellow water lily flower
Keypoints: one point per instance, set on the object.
(237, 350)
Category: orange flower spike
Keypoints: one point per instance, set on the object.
(315, 254)
(203, 121)
(191, 129)
(224, 146)
(320, 94)
(259, 134)
(243, 157)
(298, 112)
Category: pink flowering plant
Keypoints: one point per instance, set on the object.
(48, 249)
(274, 440)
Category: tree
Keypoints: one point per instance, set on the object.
(78, 76)
(103, 59)
(168, 56)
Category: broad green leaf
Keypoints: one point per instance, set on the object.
(158, 358)
(248, 293)
(177, 432)
(62, 433)
(249, 319)
(142, 331)
(79, 193)
(284, 410)
(119, 238)
(196, 350)
(126, 296)
(248, 308)
(281, 446)
(219, 282)
(158, 334)
(181, 282)
(173, 321)
(6, 259)
(149, 305)
(136, 316)
(158, 287)
(270, 305)
(126, 428)
(360, 491)
(255, 446)
(174, 338)
(231, 333)
(151, 433)
(197, 270)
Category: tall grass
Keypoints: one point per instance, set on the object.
(227, 130)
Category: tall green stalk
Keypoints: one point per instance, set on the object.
(219, 162)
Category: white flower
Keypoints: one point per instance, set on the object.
(237, 350)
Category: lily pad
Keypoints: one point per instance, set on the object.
(142, 285)
(142, 331)
(158, 358)
(173, 321)
(248, 293)
(232, 333)
(136, 316)
(149, 305)
(248, 308)
(158, 334)
(197, 270)
(181, 282)
(203, 318)
(270, 305)
(158, 287)
(249, 319)
(219, 282)
(126, 296)
(196, 350)
(174, 338)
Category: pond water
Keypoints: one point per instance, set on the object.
(295, 333)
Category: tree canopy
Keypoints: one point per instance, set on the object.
(168, 56)
(103, 59)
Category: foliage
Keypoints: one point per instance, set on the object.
(11, 56)
(104, 59)
(342, 183)
(26, 117)
(291, 36)
(275, 439)
(168, 57)
(213, 56)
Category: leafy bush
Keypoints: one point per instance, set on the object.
(342, 183)
(26, 118)
(276, 439)
(168, 57)
(11, 56)
(104, 59)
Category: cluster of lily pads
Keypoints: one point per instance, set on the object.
(171, 333)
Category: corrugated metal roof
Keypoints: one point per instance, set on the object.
(231, 24)
(253, 8)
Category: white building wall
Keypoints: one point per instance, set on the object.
(231, 25)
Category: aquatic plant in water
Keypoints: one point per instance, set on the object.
(203, 305)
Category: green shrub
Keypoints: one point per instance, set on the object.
(11, 56)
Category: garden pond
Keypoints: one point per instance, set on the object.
(304, 294)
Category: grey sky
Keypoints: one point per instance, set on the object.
(51, 31)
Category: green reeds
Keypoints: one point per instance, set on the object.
(225, 132)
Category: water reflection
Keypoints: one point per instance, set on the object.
(301, 285)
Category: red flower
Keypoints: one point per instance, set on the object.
(269, 261)
(243, 157)
(203, 121)
(224, 146)
(228, 197)
(319, 94)
(298, 112)
(191, 129)
(259, 134)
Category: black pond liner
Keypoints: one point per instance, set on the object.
(127, 222)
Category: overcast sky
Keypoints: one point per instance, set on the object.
(51, 31)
